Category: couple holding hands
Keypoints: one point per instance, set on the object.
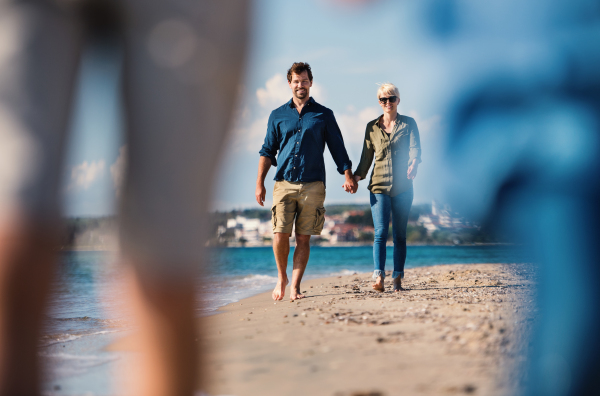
(299, 131)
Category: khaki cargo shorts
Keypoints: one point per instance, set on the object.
(302, 201)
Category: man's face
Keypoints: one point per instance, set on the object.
(300, 85)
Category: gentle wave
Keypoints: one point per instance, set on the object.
(346, 272)
(66, 364)
(260, 277)
(51, 339)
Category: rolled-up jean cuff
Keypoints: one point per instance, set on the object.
(378, 273)
(398, 274)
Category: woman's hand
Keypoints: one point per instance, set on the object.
(411, 173)
(349, 185)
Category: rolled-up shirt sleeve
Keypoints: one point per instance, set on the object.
(335, 142)
(366, 158)
(271, 144)
(415, 144)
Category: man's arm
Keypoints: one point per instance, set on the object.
(335, 142)
(267, 159)
(264, 164)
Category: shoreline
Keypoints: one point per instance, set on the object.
(370, 244)
(324, 245)
(457, 329)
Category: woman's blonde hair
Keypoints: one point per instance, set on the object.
(388, 89)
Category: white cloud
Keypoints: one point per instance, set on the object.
(84, 174)
(248, 134)
(117, 169)
(353, 123)
(277, 92)
(431, 125)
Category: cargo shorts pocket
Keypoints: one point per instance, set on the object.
(320, 220)
(274, 216)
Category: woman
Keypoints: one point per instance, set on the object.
(393, 140)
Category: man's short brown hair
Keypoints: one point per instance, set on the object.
(299, 68)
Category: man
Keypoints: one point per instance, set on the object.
(299, 130)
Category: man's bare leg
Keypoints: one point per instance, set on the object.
(27, 265)
(281, 249)
(168, 356)
(301, 254)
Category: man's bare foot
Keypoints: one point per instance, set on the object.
(378, 285)
(398, 284)
(295, 294)
(279, 290)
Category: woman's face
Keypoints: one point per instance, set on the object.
(389, 103)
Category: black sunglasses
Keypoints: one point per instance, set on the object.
(392, 99)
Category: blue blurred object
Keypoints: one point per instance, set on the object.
(523, 152)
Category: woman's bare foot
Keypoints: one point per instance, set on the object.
(279, 290)
(398, 284)
(295, 293)
(378, 285)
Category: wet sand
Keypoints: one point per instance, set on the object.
(457, 329)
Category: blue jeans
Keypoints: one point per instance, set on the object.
(399, 206)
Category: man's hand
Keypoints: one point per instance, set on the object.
(350, 184)
(411, 173)
(264, 164)
(261, 192)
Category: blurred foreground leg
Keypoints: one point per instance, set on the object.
(39, 53)
(27, 263)
(182, 66)
(168, 355)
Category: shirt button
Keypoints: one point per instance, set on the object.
(294, 167)
(295, 155)
(298, 143)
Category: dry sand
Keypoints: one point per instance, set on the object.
(457, 329)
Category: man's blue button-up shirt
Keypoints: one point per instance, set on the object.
(300, 140)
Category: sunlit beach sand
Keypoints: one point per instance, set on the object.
(457, 329)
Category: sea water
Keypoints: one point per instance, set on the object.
(86, 308)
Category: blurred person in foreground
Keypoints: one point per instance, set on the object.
(299, 131)
(523, 151)
(181, 67)
(393, 140)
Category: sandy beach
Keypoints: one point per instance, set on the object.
(457, 329)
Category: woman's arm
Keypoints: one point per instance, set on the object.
(366, 158)
(414, 152)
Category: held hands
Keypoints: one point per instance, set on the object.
(260, 193)
(351, 185)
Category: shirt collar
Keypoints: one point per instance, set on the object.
(395, 121)
(290, 103)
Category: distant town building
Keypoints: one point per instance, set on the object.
(242, 231)
(441, 218)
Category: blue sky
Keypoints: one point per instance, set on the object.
(350, 50)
